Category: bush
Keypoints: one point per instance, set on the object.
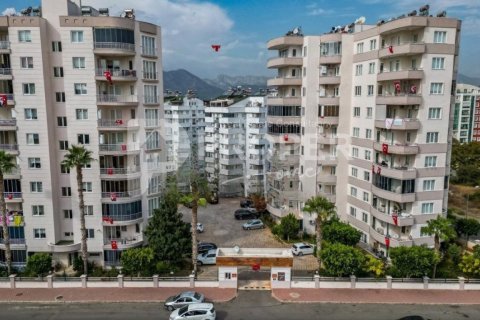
(335, 231)
(78, 266)
(454, 253)
(39, 264)
(342, 260)
(416, 261)
(289, 227)
(277, 230)
(164, 268)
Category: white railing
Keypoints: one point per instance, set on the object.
(116, 98)
(117, 72)
(123, 194)
(115, 45)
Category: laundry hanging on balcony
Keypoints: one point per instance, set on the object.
(114, 244)
(113, 196)
(397, 86)
(119, 122)
(413, 89)
(108, 76)
(3, 100)
(385, 148)
(390, 49)
(388, 123)
(17, 220)
(285, 137)
(395, 219)
(107, 219)
(109, 171)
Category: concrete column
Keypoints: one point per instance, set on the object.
(353, 282)
(461, 283)
(83, 277)
(155, 280)
(192, 281)
(317, 281)
(389, 282)
(12, 281)
(120, 280)
(50, 281)
(425, 282)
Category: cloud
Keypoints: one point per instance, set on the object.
(9, 12)
(319, 12)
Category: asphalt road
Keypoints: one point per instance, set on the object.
(250, 305)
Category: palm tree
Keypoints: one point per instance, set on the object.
(442, 230)
(324, 210)
(6, 166)
(78, 157)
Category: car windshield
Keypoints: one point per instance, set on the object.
(197, 296)
(176, 297)
(250, 221)
(182, 310)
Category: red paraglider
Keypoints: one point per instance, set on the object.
(216, 47)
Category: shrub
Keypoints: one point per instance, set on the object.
(78, 265)
(336, 231)
(39, 264)
(342, 260)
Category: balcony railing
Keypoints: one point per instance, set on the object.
(14, 241)
(117, 72)
(12, 195)
(124, 194)
(123, 217)
(151, 99)
(5, 71)
(118, 147)
(4, 45)
(119, 170)
(8, 122)
(115, 45)
(126, 241)
(147, 75)
(116, 98)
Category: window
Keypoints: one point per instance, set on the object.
(63, 144)
(366, 175)
(62, 121)
(31, 114)
(427, 207)
(365, 218)
(368, 133)
(90, 233)
(26, 62)
(370, 90)
(360, 47)
(68, 214)
(150, 94)
(66, 192)
(438, 63)
(33, 138)
(369, 112)
(87, 187)
(353, 192)
(148, 46)
(356, 132)
(28, 88)
(149, 70)
(368, 154)
(430, 161)
(89, 210)
(60, 96)
(76, 36)
(64, 169)
(356, 111)
(366, 196)
(354, 172)
(353, 211)
(428, 185)
(36, 186)
(436, 88)
(432, 137)
(80, 88)
(439, 37)
(358, 69)
(24, 36)
(83, 138)
(58, 72)
(78, 62)
(434, 113)
(358, 90)
(56, 46)
(81, 114)
(371, 68)
(355, 152)
(373, 44)
(34, 163)
(38, 210)
(39, 233)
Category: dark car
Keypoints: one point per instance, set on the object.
(203, 247)
(246, 213)
(246, 203)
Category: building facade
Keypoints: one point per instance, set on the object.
(235, 145)
(373, 134)
(75, 75)
(466, 120)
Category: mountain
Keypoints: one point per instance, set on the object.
(461, 78)
(224, 81)
(182, 80)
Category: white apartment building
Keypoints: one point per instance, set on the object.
(75, 75)
(466, 120)
(235, 145)
(184, 129)
(374, 131)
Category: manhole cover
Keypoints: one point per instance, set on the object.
(294, 295)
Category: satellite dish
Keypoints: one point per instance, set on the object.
(297, 31)
(236, 249)
(360, 20)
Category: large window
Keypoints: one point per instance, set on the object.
(81, 114)
(436, 88)
(28, 88)
(428, 185)
(76, 36)
(151, 117)
(114, 35)
(438, 63)
(36, 186)
(24, 36)
(440, 37)
(432, 137)
(34, 163)
(26, 62)
(284, 111)
(328, 111)
(78, 62)
(31, 114)
(330, 48)
(33, 138)
(358, 91)
(427, 207)
(148, 46)
(38, 210)
(430, 161)
(122, 211)
(283, 128)
(150, 94)
(434, 113)
(393, 185)
(39, 233)
(80, 88)
(149, 70)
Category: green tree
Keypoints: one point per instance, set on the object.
(465, 162)
(78, 157)
(7, 164)
(324, 210)
(289, 226)
(454, 253)
(375, 266)
(138, 261)
(342, 260)
(470, 265)
(416, 261)
(442, 230)
(467, 227)
(337, 231)
(39, 264)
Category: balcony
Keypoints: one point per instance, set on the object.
(284, 101)
(403, 49)
(399, 99)
(327, 120)
(404, 24)
(329, 79)
(284, 81)
(402, 220)
(117, 124)
(113, 196)
(278, 212)
(124, 243)
(116, 75)
(13, 197)
(398, 124)
(114, 48)
(387, 148)
(400, 75)
(119, 171)
(326, 178)
(64, 246)
(8, 124)
(327, 160)
(10, 99)
(116, 100)
(118, 148)
(6, 74)
(379, 236)
(328, 100)
(324, 139)
(124, 219)
(4, 46)
(15, 243)
(330, 59)
(401, 173)
(280, 62)
(393, 196)
(285, 41)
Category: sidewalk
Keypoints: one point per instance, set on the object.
(99, 295)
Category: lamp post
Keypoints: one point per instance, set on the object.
(468, 198)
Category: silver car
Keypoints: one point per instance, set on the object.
(301, 248)
(196, 311)
(253, 224)
(183, 299)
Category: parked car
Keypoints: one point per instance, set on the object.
(209, 257)
(183, 299)
(203, 247)
(246, 203)
(253, 224)
(246, 213)
(301, 248)
(197, 311)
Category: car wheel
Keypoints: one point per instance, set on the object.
(170, 308)
(300, 254)
(248, 228)
(199, 263)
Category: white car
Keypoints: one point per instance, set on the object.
(209, 257)
(195, 311)
(301, 248)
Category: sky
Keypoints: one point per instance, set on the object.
(243, 27)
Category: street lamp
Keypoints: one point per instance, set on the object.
(468, 198)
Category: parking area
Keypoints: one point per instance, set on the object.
(224, 230)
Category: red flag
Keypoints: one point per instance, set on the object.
(397, 86)
(114, 245)
(216, 47)
(110, 171)
(387, 242)
(110, 219)
(390, 49)
(385, 148)
(255, 267)
(124, 147)
(10, 196)
(285, 137)
(119, 122)
(108, 76)
(395, 219)
(3, 100)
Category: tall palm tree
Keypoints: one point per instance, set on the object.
(6, 165)
(442, 230)
(324, 210)
(78, 157)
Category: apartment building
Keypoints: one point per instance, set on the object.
(184, 130)
(72, 74)
(235, 144)
(373, 134)
(466, 120)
